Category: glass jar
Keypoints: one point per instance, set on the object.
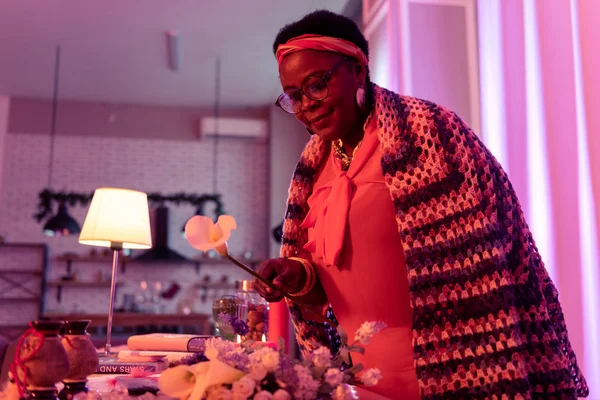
(226, 311)
(258, 311)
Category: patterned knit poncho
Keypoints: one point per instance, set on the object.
(487, 323)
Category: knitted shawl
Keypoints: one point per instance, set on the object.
(487, 323)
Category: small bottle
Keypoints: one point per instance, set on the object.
(258, 311)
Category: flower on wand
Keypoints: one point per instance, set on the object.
(204, 235)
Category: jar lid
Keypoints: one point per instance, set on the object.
(245, 286)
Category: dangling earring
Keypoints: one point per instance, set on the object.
(361, 97)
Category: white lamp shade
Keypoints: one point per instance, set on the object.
(117, 216)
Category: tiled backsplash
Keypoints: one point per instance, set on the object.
(83, 163)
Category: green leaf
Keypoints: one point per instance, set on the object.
(345, 355)
(357, 349)
(355, 369)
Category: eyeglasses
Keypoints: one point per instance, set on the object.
(314, 87)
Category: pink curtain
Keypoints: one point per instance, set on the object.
(540, 111)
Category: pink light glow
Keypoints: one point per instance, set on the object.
(587, 219)
(492, 83)
(540, 212)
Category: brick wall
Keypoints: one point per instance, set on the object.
(83, 163)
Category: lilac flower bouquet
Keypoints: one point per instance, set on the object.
(255, 371)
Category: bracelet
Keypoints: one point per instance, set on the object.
(311, 276)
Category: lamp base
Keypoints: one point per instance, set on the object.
(103, 356)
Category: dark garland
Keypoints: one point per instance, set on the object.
(47, 197)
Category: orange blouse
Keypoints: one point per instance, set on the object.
(354, 242)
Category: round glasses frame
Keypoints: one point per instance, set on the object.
(291, 102)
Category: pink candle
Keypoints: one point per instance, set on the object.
(279, 322)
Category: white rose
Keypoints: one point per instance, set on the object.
(263, 395)
(258, 372)
(281, 395)
(370, 377)
(220, 393)
(334, 377)
(271, 360)
(243, 388)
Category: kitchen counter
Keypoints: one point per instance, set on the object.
(200, 323)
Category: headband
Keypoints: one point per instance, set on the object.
(321, 43)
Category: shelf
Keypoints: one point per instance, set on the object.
(90, 259)
(81, 284)
(59, 285)
(19, 299)
(123, 261)
(21, 271)
(209, 285)
(20, 276)
(129, 260)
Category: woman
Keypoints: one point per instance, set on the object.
(397, 212)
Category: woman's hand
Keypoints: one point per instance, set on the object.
(286, 275)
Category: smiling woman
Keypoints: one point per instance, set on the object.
(405, 217)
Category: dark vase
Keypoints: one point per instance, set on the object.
(83, 358)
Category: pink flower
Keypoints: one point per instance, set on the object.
(203, 234)
(321, 357)
(281, 395)
(334, 377)
(243, 388)
(258, 372)
(139, 372)
(220, 393)
(266, 356)
(263, 395)
(370, 377)
(307, 386)
(367, 330)
(270, 360)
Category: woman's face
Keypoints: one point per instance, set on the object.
(337, 115)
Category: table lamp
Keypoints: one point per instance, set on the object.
(119, 219)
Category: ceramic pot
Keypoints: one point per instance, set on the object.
(82, 355)
(50, 364)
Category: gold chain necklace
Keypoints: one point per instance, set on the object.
(340, 153)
